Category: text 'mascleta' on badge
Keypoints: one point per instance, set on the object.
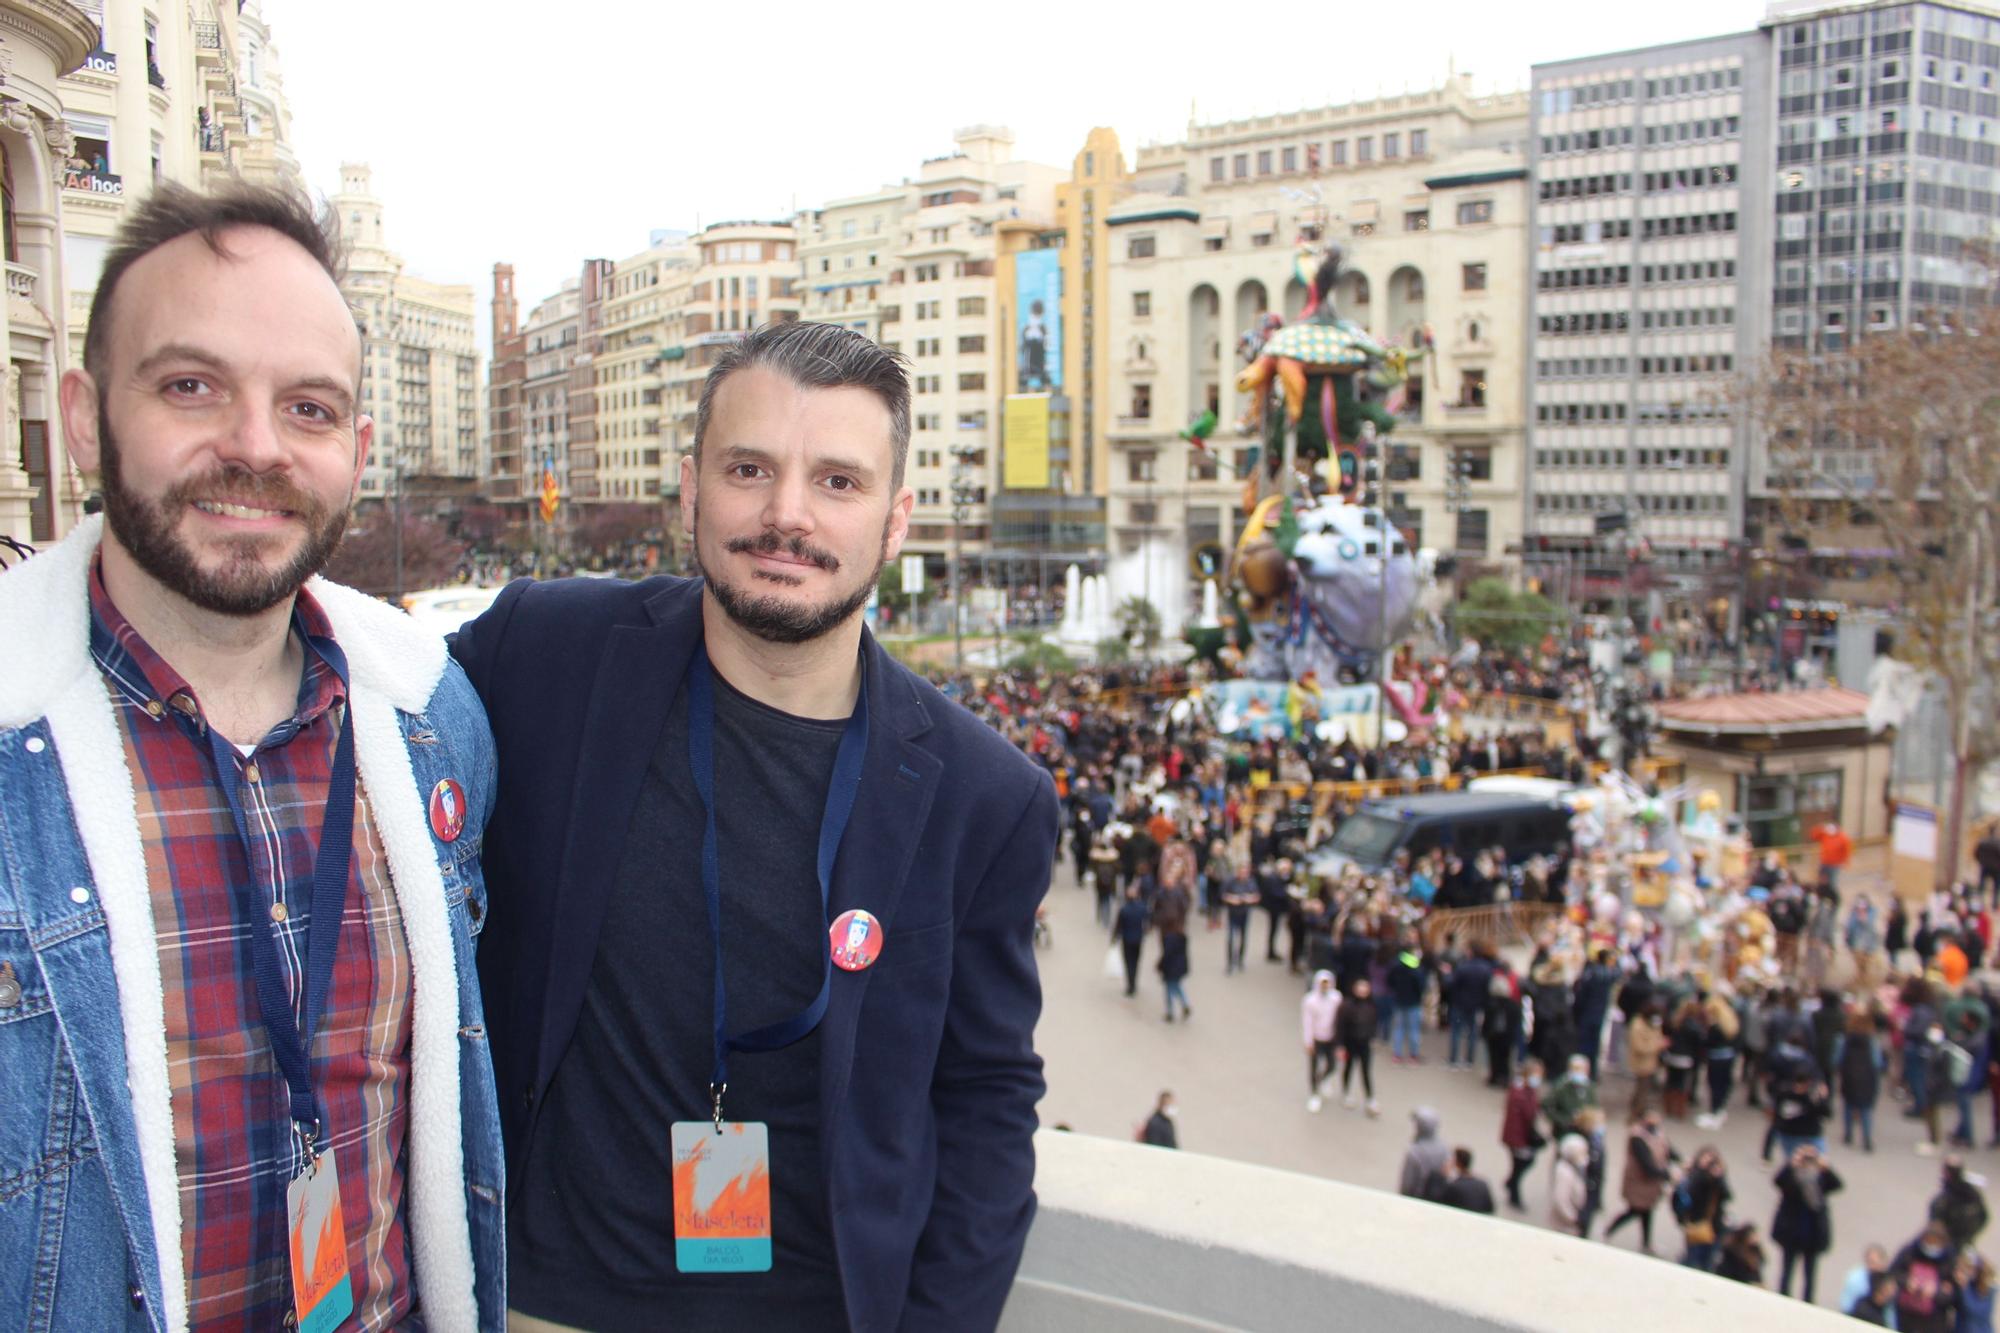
(322, 1295)
(722, 1196)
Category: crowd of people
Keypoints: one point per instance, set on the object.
(1737, 1009)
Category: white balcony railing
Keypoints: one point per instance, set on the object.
(21, 282)
(1130, 1239)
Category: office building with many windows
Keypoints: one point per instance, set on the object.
(1650, 277)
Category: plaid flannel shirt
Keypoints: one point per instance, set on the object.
(234, 1148)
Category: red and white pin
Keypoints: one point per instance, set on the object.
(856, 938)
(447, 810)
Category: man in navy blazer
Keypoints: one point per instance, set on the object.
(899, 1125)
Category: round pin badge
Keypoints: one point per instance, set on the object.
(856, 938)
(447, 810)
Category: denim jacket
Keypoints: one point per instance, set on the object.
(90, 1216)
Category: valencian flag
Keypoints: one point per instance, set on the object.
(551, 493)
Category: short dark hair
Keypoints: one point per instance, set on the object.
(818, 356)
(172, 211)
(1463, 1156)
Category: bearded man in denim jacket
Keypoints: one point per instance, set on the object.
(233, 948)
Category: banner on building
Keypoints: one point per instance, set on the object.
(1025, 442)
(551, 493)
(1038, 354)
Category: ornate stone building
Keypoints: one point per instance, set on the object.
(99, 101)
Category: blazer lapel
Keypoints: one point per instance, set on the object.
(637, 680)
(899, 779)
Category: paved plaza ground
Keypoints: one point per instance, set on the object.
(1239, 1073)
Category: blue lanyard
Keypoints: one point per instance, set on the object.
(291, 1033)
(840, 795)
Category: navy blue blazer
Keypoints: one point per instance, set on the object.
(929, 1077)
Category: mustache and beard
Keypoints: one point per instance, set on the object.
(772, 618)
(242, 584)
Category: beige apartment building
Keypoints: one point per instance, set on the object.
(419, 360)
(945, 310)
(641, 301)
(552, 336)
(743, 274)
(1427, 196)
(99, 100)
(191, 93)
(847, 250)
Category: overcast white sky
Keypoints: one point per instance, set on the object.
(500, 132)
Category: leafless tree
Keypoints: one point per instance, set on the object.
(1898, 432)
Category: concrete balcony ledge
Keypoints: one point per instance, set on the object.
(1131, 1239)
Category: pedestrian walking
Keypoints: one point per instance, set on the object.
(1975, 1294)
(1650, 1162)
(1958, 1206)
(1129, 934)
(1720, 1056)
(1645, 1043)
(1741, 1256)
(1463, 1189)
(1519, 1131)
(1159, 1130)
(1803, 1226)
(1701, 1200)
(1424, 1160)
(1318, 1012)
(1570, 1195)
(1687, 1042)
(1465, 1001)
(1355, 1028)
(1238, 898)
(1408, 974)
(1173, 966)
(1590, 1125)
(1568, 1097)
(1859, 1059)
(1501, 1023)
(1594, 990)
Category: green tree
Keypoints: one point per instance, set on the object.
(1139, 618)
(1499, 617)
(1040, 657)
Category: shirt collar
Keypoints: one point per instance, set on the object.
(149, 683)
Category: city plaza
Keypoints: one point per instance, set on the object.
(1533, 311)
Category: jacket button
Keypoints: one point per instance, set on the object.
(528, 1096)
(138, 1298)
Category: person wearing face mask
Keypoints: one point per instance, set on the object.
(1927, 1290)
(1645, 1043)
(1700, 1202)
(1932, 1071)
(1568, 1098)
(1803, 1227)
(1958, 1206)
(1159, 1130)
(1355, 1028)
(1569, 1196)
(1649, 1168)
(1800, 1106)
(1518, 1130)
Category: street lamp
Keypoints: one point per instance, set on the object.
(963, 497)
